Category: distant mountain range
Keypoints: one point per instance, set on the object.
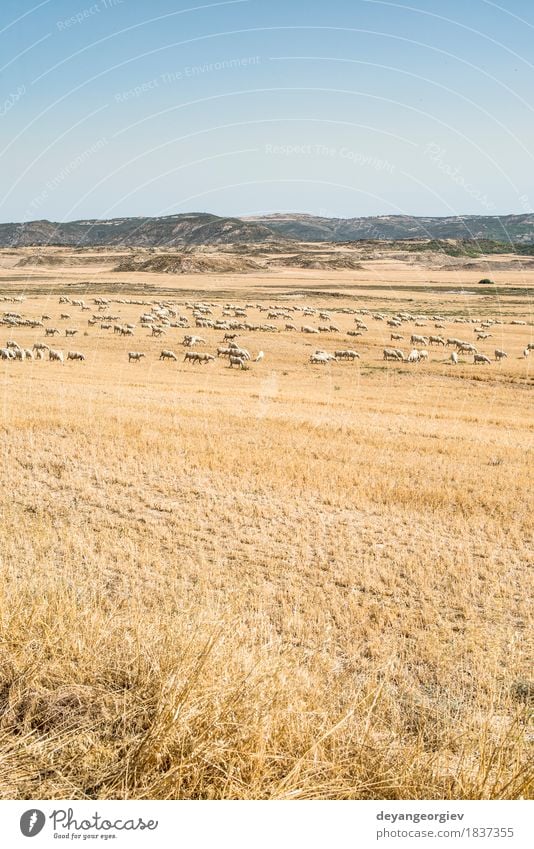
(507, 228)
(205, 229)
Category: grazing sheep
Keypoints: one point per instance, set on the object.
(346, 355)
(500, 355)
(307, 329)
(229, 337)
(75, 355)
(259, 357)
(241, 352)
(418, 340)
(134, 356)
(168, 355)
(158, 331)
(454, 358)
(7, 354)
(423, 355)
(51, 331)
(189, 341)
(466, 348)
(481, 358)
(40, 354)
(40, 346)
(126, 331)
(236, 361)
(64, 316)
(436, 340)
(321, 357)
(28, 353)
(396, 337)
(56, 356)
(290, 327)
(413, 356)
(70, 332)
(195, 357)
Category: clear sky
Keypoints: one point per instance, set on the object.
(339, 108)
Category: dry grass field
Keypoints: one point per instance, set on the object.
(293, 581)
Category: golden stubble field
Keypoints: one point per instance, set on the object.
(288, 582)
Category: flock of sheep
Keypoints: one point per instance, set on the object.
(162, 317)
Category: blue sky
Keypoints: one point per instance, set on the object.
(341, 108)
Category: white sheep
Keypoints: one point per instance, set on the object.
(321, 357)
(413, 356)
(466, 348)
(56, 356)
(75, 355)
(481, 358)
(454, 358)
(189, 341)
(500, 355)
(168, 355)
(134, 356)
(259, 357)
